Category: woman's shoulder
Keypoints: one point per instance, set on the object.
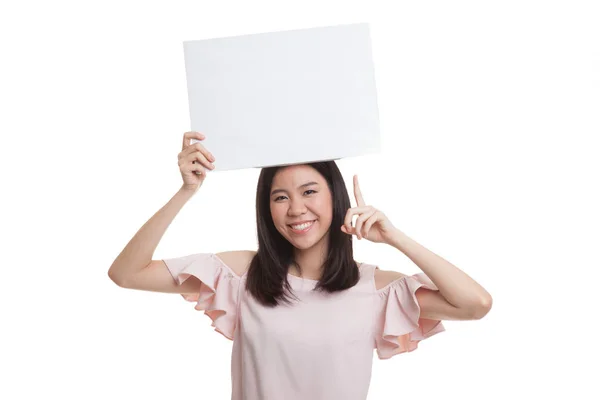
(385, 277)
(237, 260)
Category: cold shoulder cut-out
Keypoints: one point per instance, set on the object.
(321, 347)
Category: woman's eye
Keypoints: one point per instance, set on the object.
(310, 191)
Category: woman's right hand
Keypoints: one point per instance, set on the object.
(194, 161)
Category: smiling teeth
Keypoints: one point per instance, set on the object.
(302, 227)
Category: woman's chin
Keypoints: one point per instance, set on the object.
(305, 243)
(302, 246)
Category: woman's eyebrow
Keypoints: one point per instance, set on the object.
(299, 187)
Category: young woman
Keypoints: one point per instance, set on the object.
(304, 317)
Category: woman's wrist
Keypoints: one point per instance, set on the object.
(188, 190)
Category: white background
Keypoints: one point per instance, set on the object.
(489, 117)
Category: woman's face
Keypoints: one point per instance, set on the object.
(301, 205)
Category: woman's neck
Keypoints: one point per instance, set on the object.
(310, 261)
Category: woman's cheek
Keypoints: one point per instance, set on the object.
(275, 214)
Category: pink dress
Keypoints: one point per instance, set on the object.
(319, 348)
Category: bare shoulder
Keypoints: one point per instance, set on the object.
(237, 260)
(384, 278)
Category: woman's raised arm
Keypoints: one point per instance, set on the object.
(194, 160)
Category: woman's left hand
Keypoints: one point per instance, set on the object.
(371, 223)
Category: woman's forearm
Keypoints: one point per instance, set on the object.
(140, 249)
(458, 288)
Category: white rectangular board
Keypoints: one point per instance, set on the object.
(284, 97)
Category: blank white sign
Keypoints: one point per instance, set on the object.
(284, 97)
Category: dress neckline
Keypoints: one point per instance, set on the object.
(303, 279)
(299, 278)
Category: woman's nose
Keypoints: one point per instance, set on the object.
(297, 207)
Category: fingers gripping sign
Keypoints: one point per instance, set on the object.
(371, 223)
(194, 160)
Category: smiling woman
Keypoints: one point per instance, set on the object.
(301, 210)
(295, 305)
(297, 207)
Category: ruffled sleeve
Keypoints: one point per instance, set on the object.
(400, 326)
(218, 295)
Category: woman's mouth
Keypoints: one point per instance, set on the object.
(302, 228)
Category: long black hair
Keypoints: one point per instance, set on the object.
(267, 274)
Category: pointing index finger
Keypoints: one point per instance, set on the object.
(360, 202)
